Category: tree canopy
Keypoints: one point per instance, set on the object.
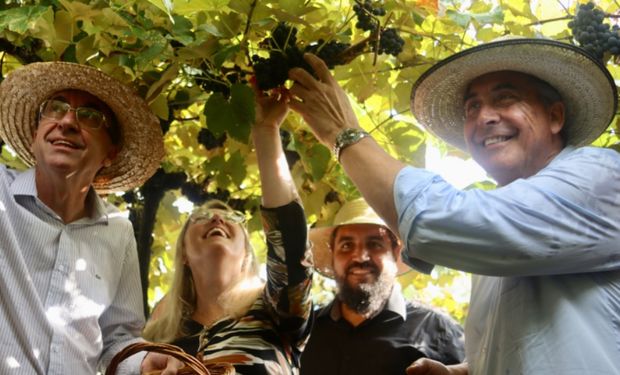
(191, 60)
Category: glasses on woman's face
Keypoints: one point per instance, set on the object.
(86, 117)
(203, 216)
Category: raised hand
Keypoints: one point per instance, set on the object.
(271, 108)
(321, 102)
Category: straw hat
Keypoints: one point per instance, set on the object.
(24, 89)
(353, 212)
(587, 88)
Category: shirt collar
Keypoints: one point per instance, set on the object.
(395, 303)
(24, 185)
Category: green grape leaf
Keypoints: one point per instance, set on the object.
(20, 20)
(234, 116)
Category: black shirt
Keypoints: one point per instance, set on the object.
(385, 344)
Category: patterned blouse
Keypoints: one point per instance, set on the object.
(271, 336)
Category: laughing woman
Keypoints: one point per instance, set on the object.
(217, 306)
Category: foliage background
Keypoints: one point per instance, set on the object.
(168, 49)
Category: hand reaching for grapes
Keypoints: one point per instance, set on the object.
(271, 108)
(322, 103)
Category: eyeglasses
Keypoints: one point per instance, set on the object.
(87, 117)
(235, 217)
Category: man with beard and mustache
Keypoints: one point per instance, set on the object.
(369, 328)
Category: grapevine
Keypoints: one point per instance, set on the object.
(219, 81)
(285, 51)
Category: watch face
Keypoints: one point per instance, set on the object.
(346, 138)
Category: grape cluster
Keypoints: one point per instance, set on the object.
(284, 54)
(209, 140)
(220, 82)
(194, 192)
(592, 34)
(329, 52)
(390, 42)
(282, 37)
(366, 14)
(163, 181)
(213, 83)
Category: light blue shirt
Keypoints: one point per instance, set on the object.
(549, 247)
(70, 293)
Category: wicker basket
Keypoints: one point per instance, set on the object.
(193, 366)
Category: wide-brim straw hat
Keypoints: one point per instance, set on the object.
(353, 212)
(23, 91)
(586, 86)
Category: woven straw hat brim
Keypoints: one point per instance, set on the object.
(586, 86)
(353, 212)
(24, 89)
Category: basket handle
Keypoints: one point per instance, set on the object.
(192, 364)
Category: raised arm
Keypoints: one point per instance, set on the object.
(326, 108)
(277, 184)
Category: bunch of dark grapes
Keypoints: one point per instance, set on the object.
(220, 82)
(209, 140)
(213, 83)
(390, 42)
(284, 54)
(592, 34)
(366, 14)
(162, 181)
(329, 52)
(282, 36)
(194, 192)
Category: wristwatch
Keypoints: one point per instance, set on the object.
(346, 138)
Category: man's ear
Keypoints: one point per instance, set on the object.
(397, 249)
(557, 116)
(112, 154)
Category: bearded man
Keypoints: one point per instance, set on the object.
(369, 328)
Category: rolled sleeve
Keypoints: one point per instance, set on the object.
(534, 226)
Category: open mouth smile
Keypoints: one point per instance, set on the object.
(216, 232)
(495, 140)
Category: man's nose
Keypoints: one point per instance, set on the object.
(488, 115)
(69, 121)
(361, 253)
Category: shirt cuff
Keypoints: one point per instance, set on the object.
(409, 184)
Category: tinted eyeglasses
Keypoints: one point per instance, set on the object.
(204, 216)
(86, 117)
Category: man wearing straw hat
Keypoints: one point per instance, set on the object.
(369, 328)
(544, 245)
(69, 278)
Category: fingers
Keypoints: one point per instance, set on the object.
(320, 68)
(420, 367)
(301, 77)
(173, 366)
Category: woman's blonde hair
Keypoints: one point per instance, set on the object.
(166, 324)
